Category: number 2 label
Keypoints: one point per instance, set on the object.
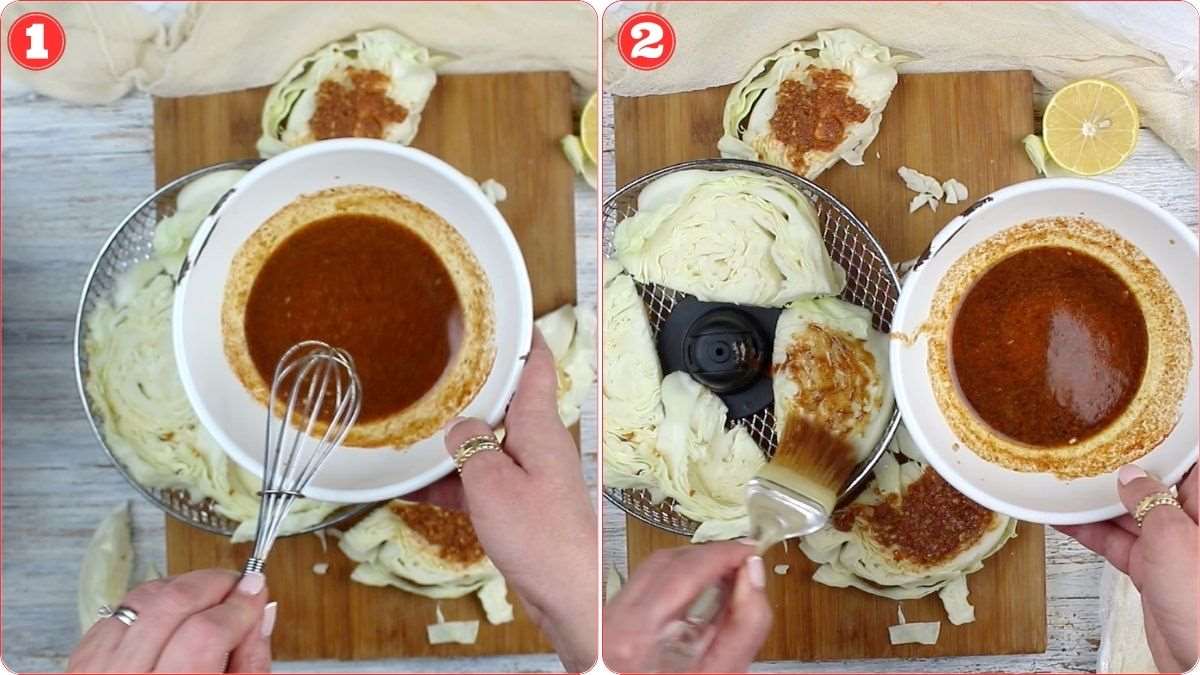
(649, 46)
(646, 41)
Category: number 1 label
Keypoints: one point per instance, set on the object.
(36, 32)
(36, 41)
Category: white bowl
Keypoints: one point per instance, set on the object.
(228, 411)
(1041, 497)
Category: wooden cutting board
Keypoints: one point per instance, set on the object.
(502, 126)
(967, 126)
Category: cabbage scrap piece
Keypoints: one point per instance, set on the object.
(857, 558)
(572, 147)
(492, 189)
(728, 236)
(1035, 149)
(923, 632)
(107, 566)
(391, 553)
(444, 632)
(708, 465)
(832, 368)
(356, 70)
(570, 333)
(632, 388)
(761, 122)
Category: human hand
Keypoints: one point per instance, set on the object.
(208, 620)
(530, 509)
(1160, 557)
(659, 593)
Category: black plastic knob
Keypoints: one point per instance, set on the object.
(725, 347)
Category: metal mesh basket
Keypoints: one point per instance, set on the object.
(130, 243)
(870, 282)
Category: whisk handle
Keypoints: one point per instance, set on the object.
(254, 564)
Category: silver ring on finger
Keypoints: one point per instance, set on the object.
(124, 614)
(473, 446)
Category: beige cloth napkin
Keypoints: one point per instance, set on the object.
(718, 42)
(1123, 645)
(225, 46)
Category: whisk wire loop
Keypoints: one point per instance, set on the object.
(311, 373)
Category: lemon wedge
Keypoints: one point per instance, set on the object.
(1090, 127)
(589, 128)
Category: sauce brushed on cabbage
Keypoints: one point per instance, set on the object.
(1049, 346)
(368, 285)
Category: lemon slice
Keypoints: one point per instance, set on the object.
(1090, 127)
(589, 128)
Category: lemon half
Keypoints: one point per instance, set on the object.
(1090, 127)
(589, 128)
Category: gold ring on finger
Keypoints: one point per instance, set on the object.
(473, 446)
(1151, 502)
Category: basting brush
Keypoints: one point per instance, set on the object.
(792, 495)
(795, 492)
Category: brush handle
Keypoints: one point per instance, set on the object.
(685, 640)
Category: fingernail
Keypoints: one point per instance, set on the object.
(251, 583)
(451, 424)
(756, 571)
(1129, 473)
(747, 541)
(268, 619)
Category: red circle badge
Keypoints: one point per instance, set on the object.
(36, 41)
(646, 41)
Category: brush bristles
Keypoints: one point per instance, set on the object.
(811, 461)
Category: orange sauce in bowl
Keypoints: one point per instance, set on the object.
(1049, 346)
(368, 285)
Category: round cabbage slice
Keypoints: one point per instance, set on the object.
(134, 387)
(391, 553)
(858, 556)
(757, 127)
(831, 367)
(407, 67)
(728, 236)
(632, 387)
(708, 465)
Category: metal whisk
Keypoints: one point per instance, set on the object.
(318, 379)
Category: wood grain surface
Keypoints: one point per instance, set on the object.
(954, 125)
(502, 126)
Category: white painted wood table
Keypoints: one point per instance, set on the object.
(71, 174)
(1072, 572)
